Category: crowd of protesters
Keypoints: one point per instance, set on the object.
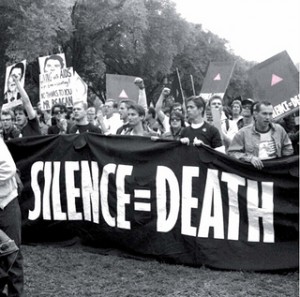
(168, 119)
(245, 132)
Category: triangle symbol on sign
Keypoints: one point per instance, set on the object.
(123, 95)
(275, 79)
(218, 77)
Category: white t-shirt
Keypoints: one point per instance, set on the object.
(113, 123)
(267, 147)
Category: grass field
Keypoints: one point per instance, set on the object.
(76, 271)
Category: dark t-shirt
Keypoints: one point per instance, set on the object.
(209, 134)
(32, 128)
(77, 129)
(54, 129)
(123, 129)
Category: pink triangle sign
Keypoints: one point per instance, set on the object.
(123, 95)
(218, 77)
(275, 79)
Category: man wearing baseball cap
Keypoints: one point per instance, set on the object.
(247, 113)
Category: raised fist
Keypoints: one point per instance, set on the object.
(166, 92)
(139, 82)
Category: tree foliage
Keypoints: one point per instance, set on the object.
(145, 38)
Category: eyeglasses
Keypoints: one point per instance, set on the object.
(175, 120)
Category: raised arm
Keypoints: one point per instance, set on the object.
(25, 100)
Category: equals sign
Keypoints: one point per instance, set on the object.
(142, 194)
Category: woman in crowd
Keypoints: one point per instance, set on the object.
(176, 126)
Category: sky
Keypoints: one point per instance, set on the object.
(255, 29)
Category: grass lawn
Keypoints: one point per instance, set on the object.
(76, 271)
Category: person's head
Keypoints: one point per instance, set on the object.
(91, 114)
(236, 107)
(110, 106)
(136, 114)
(53, 62)
(21, 116)
(58, 111)
(176, 106)
(216, 102)
(247, 107)
(17, 71)
(176, 120)
(7, 119)
(80, 110)
(263, 112)
(123, 108)
(169, 101)
(195, 108)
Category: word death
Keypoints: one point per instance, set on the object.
(203, 208)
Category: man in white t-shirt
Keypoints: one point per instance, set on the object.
(261, 140)
(111, 119)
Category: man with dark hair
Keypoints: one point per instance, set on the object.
(261, 140)
(81, 123)
(53, 62)
(10, 131)
(199, 132)
(26, 119)
(123, 111)
(136, 116)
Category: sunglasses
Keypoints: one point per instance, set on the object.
(175, 120)
(57, 112)
(246, 106)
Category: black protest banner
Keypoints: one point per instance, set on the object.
(181, 204)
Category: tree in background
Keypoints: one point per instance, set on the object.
(145, 38)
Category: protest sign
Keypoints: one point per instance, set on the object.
(120, 87)
(56, 87)
(12, 96)
(202, 209)
(277, 80)
(52, 63)
(80, 89)
(216, 79)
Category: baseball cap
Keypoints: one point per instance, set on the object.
(247, 101)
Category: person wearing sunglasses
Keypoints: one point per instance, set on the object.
(176, 126)
(59, 122)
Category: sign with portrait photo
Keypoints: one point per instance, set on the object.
(12, 96)
(52, 63)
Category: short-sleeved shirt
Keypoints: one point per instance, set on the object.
(78, 129)
(209, 134)
(32, 128)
